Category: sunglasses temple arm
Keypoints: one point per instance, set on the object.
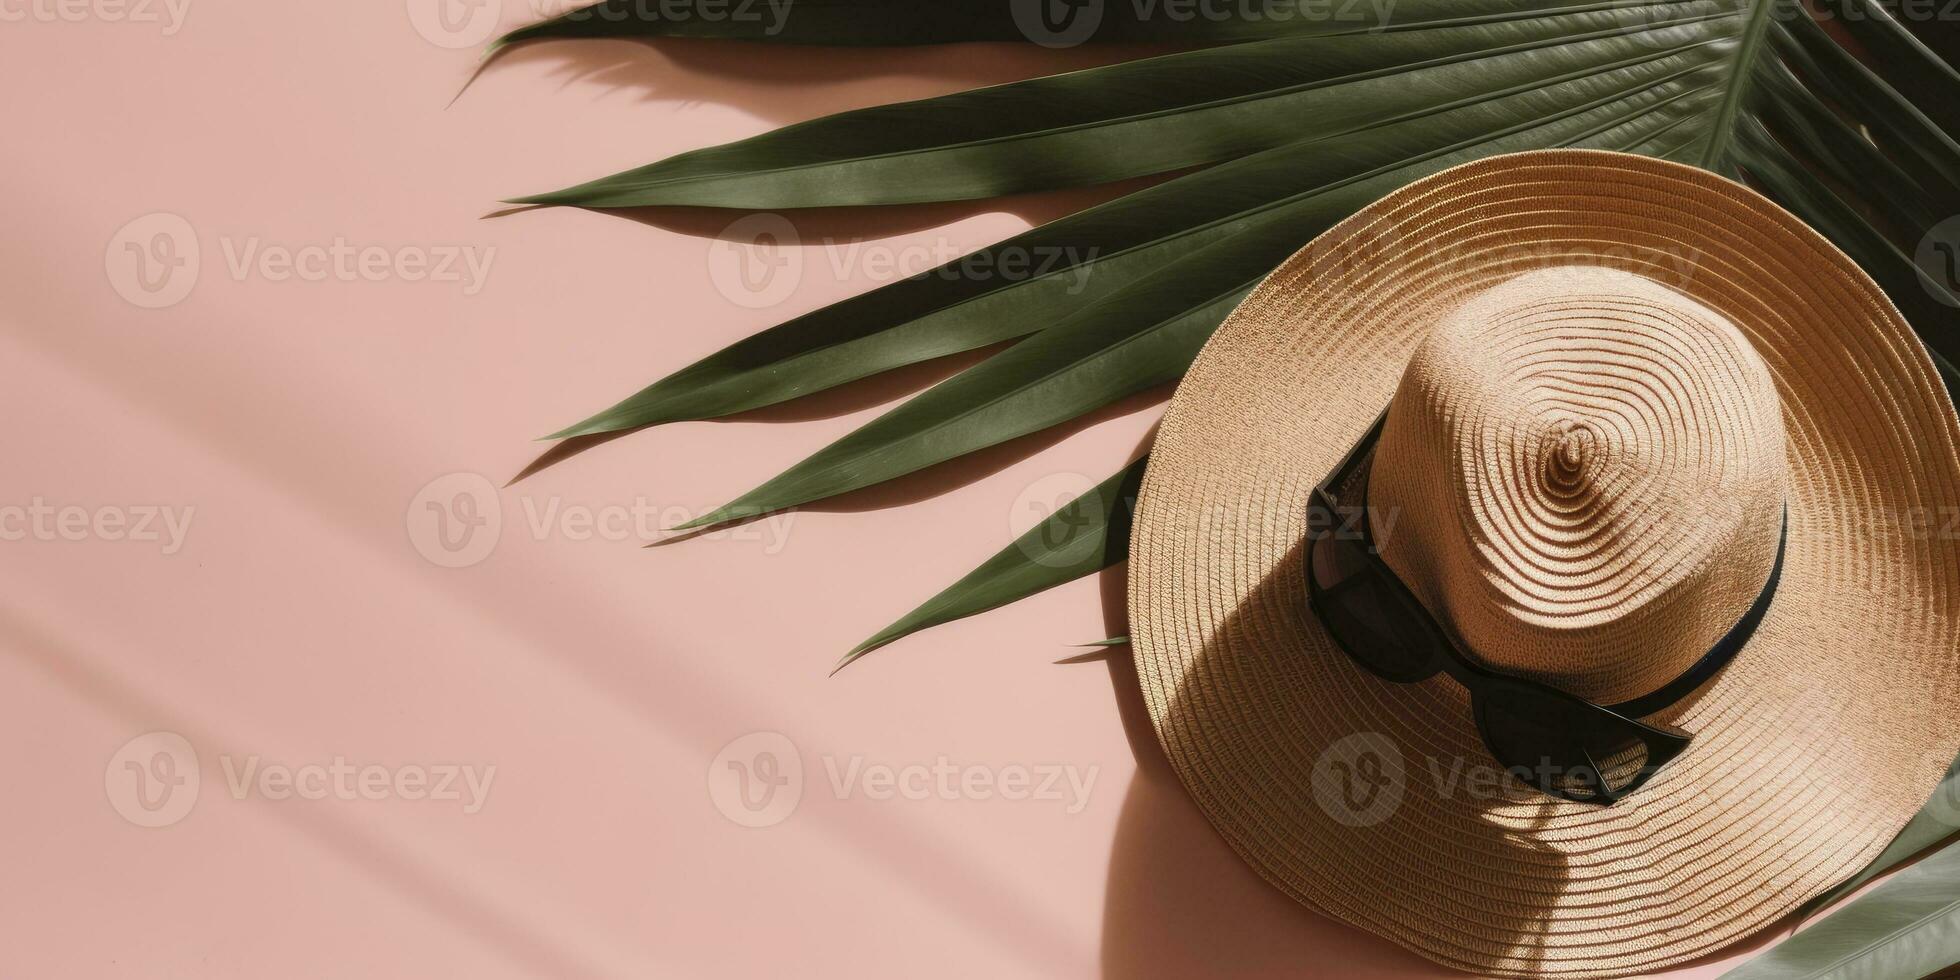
(1598, 778)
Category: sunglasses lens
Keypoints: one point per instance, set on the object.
(1368, 615)
(1567, 748)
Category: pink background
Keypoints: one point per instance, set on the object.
(299, 622)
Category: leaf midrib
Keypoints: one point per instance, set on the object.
(1739, 78)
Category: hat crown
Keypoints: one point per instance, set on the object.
(1582, 476)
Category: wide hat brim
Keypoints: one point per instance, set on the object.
(1376, 803)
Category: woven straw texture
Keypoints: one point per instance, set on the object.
(1609, 375)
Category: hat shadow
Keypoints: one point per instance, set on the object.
(1180, 902)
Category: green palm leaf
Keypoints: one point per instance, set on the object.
(1154, 116)
(1301, 122)
(877, 22)
(1092, 255)
(1907, 927)
(1084, 536)
(1146, 334)
(1065, 22)
(1933, 823)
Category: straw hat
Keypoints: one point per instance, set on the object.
(1608, 380)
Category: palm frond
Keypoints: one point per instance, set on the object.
(1297, 122)
(1160, 114)
(1836, 110)
(1908, 926)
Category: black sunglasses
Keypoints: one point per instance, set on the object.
(1559, 744)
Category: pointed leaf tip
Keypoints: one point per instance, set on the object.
(1088, 534)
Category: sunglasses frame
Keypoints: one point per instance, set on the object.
(1662, 743)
